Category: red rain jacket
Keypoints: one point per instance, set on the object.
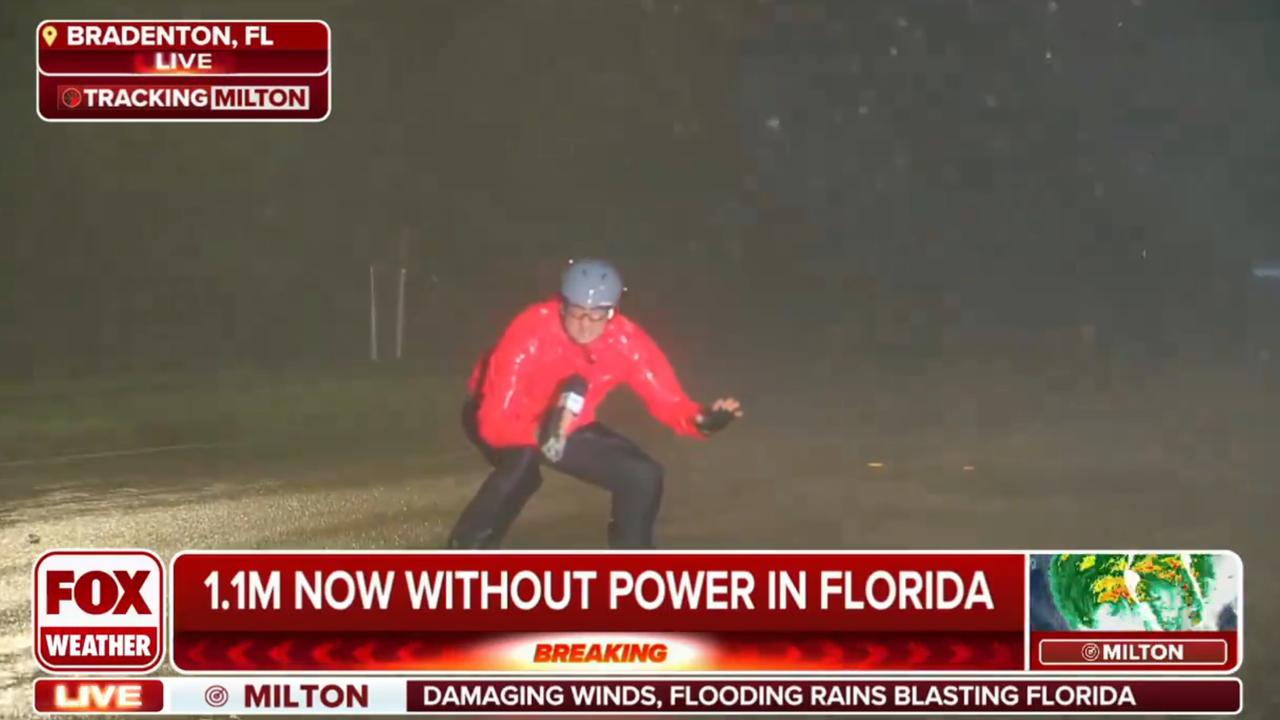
(517, 381)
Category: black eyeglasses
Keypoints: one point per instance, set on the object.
(578, 313)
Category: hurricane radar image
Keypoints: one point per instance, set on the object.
(1169, 592)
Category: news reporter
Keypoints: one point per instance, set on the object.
(532, 401)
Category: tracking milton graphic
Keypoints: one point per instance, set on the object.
(183, 71)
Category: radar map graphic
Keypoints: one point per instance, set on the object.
(1151, 591)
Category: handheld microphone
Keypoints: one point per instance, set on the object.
(570, 401)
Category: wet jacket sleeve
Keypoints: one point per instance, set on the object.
(653, 379)
(505, 417)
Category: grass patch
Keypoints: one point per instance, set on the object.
(367, 407)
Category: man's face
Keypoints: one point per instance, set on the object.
(584, 324)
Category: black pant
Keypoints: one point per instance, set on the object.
(593, 453)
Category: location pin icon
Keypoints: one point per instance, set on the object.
(50, 34)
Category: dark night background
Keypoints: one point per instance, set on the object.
(892, 179)
(984, 273)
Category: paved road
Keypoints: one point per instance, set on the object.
(758, 487)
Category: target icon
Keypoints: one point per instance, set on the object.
(70, 98)
(216, 696)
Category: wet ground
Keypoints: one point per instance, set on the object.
(903, 463)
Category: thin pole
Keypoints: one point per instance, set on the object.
(400, 318)
(373, 316)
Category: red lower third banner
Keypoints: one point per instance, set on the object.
(611, 612)
(381, 695)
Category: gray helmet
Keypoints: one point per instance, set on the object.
(591, 283)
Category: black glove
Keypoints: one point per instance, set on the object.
(572, 393)
(713, 421)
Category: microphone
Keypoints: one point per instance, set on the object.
(570, 400)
